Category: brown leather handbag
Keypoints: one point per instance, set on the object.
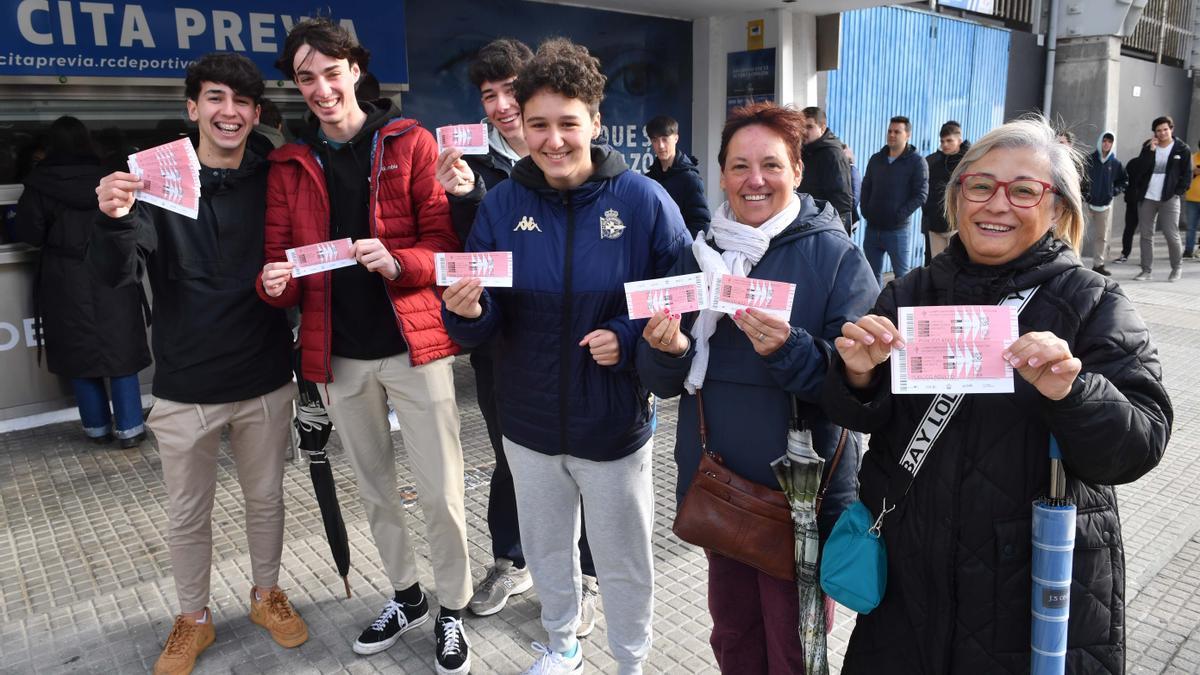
(738, 518)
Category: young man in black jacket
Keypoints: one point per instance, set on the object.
(894, 187)
(1161, 189)
(676, 171)
(942, 163)
(826, 173)
(466, 179)
(222, 356)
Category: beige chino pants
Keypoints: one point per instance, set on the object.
(189, 437)
(423, 398)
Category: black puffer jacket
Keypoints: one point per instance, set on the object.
(958, 590)
(941, 167)
(90, 330)
(827, 176)
(682, 181)
(489, 170)
(214, 340)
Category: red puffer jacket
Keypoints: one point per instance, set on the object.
(409, 214)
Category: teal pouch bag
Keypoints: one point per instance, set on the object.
(854, 562)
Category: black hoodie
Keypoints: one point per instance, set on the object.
(90, 330)
(364, 326)
(214, 340)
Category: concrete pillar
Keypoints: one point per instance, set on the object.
(1087, 82)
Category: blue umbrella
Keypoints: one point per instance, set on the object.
(1053, 550)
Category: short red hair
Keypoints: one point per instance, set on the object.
(786, 121)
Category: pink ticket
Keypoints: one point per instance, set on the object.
(170, 175)
(731, 293)
(472, 139)
(677, 295)
(322, 257)
(492, 268)
(954, 349)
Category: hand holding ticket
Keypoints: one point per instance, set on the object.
(492, 268)
(471, 139)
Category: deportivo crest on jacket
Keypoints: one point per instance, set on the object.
(611, 226)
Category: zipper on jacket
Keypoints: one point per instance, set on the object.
(565, 341)
(372, 201)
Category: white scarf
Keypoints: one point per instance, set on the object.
(743, 246)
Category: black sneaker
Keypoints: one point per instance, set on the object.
(395, 620)
(1099, 269)
(453, 647)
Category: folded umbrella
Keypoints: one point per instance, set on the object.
(1053, 551)
(313, 426)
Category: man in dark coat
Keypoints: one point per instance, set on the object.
(826, 167)
(91, 331)
(223, 357)
(894, 187)
(1161, 189)
(676, 171)
(467, 179)
(951, 148)
(1104, 180)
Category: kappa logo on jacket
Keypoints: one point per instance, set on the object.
(611, 226)
(526, 224)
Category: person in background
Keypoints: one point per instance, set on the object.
(676, 171)
(1191, 208)
(1104, 179)
(222, 357)
(466, 180)
(942, 162)
(92, 333)
(855, 176)
(1135, 170)
(1086, 372)
(827, 169)
(895, 185)
(1066, 137)
(575, 417)
(752, 365)
(371, 333)
(270, 123)
(1168, 178)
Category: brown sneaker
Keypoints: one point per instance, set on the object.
(280, 619)
(184, 644)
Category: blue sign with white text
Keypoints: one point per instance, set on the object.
(156, 39)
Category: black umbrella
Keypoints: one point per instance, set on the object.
(313, 427)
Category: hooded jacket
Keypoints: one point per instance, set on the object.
(941, 167)
(892, 192)
(407, 211)
(1178, 177)
(1105, 176)
(89, 329)
(959, 544)
(572, 251)
(213, 340)
(747, 397)
(827, 176)
(682, 181)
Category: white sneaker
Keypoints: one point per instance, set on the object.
(590, 593)
(553, 663)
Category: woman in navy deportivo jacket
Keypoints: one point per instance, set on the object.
(575, 418)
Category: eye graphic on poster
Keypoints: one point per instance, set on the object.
(646, 62)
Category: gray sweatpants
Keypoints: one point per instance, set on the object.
(1166, 213)
(618, 502)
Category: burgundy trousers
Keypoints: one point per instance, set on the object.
(755, 618)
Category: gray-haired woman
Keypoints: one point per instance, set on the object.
(958, 545)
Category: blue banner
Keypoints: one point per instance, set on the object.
(71, 38)
(647, 60)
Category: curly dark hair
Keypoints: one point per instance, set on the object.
(564, 68)
(786, 121)
(498, 60)
(232, 70)
(324, 36)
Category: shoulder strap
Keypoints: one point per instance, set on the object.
(937, 417)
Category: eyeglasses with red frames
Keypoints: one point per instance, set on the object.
(1024, 193)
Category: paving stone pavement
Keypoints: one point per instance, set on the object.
(85, 581)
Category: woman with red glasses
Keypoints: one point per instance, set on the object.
(958, 543)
